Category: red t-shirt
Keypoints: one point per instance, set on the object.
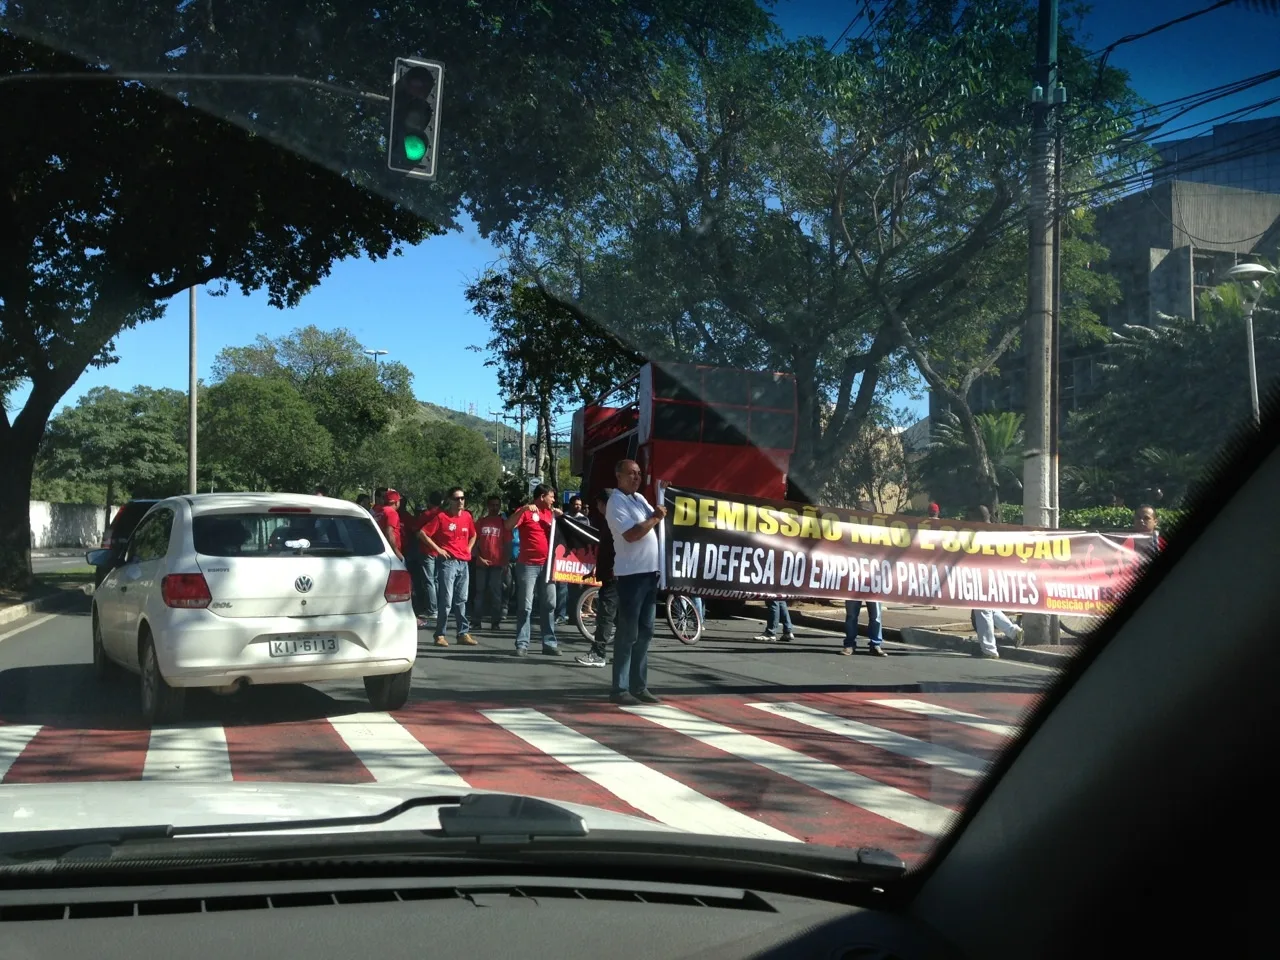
(535, 535)
(452, 534)
(390, 524)
(492, 540)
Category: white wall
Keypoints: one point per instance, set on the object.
(66, 524)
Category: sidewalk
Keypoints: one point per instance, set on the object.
(49, 598)
(943, 628)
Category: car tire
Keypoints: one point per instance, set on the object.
(389, 692)
(161, 703)
(103, 667)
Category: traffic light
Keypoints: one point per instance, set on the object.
(415, 117)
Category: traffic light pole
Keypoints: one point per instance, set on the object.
(1038, 466)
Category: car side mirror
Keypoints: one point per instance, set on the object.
(98, 558)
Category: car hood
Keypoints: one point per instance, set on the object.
(73, 806)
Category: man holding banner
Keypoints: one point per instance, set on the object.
(633, 524)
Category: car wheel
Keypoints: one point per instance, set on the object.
(390, 692)
(161, 703)
(103, 668)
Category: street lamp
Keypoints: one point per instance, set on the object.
(1250, 276)
(376, 354)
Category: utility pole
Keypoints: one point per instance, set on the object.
(1038, 468)
(191, 391)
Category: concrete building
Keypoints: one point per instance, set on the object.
(1214, 203)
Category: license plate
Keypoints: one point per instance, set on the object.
(302, 646)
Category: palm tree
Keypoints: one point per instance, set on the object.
(952, 455)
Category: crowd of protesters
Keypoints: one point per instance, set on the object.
(473, 571)
(492, 568)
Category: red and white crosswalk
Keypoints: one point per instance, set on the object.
(844, 769)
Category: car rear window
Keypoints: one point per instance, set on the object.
(283, 535)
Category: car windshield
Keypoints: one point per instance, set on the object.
(883, 343)
(274, 535)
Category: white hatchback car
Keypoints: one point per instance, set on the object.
(220, 590)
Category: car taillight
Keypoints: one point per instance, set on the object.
(185, 590)
(399, 587)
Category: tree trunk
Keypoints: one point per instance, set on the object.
(15, 511)
(988, 487)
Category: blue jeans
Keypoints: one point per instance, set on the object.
(562, 601)
(637, 608)
(489, 593)
(778, 611)
(422, 570)
(875, 629)
(453, 577)
(529, 583)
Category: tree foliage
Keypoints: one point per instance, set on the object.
(783, 206)
(173, 183)
(1171, 394)
(421, 458)
(352, 398)
(122, 442)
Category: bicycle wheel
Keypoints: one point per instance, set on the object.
(683, 618)
(585, 613)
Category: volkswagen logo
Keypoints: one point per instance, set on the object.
(302, 584)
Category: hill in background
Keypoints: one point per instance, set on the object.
(493, 430)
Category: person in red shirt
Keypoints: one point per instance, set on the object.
(387, 515)
(533, 521)
(452, 535)
(492, 550)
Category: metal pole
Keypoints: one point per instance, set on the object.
(1037, 475)
(1253, 367)
(191, 391)
(524, 463)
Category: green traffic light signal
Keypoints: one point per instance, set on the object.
(415, 99)
(414, 148)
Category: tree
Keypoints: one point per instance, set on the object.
(263, 434)
(185, 182)
(1165, 406)
(786, 207)
(129, 444)
(352, 398)
(548, 354)
(418, 458)
(949, 469)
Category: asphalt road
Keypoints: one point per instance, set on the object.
(787, 740)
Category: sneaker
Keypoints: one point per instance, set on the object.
(876, 650)
(467, 640)
(495, 626)
(988, 654)
(424, 623)
(1018, 636)
(441, 640)
(591, 660)
(644, 696)
(522, 651)
(846, 651)
(787, 637)
(550, 651)
(623, 699)
(765, 638)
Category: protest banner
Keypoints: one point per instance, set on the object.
(728, 546)
(572, 557)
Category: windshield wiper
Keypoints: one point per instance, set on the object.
(496, 817)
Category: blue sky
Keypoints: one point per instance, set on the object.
(372, 299)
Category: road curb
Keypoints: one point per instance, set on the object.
(47, 553)
(39, 605)
(941, 640)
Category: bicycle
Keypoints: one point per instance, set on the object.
(682, 616)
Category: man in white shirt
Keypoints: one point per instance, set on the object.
(634, 526)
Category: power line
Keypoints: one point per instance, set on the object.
(1130, 38)
(849, 26)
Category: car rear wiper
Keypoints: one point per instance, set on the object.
(485, 817)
